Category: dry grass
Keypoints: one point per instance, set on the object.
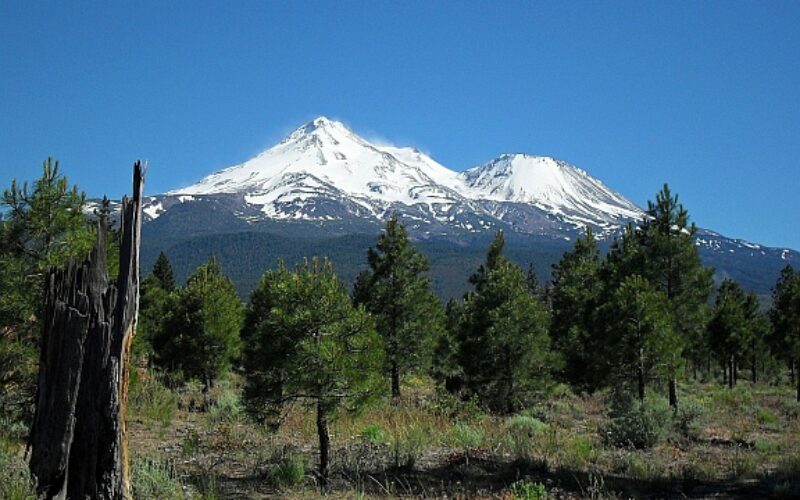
(429, 446)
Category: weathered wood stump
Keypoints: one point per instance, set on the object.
(78, 439)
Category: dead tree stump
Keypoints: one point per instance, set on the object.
(78, 439)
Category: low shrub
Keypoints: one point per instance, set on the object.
(522, 433)
(206, 486)
(151, 400)
(580, 451)
(372, 434)
(765, 417)
(528, 490)
(741, 464)
(690, 418)
(289, 471)
(191, 443)
(790, 408)
(455, 408)
(784, 481)
(766, 447)
(227, 408)
(637, 424)
(406, 445)
(155, 478)
(466, 437)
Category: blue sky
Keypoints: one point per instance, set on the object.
(703, 95)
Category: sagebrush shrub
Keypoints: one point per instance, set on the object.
(689, 419)
(227, 408)
(522, 432)
(638, 424)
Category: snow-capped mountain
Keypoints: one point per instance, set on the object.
(552, 185)
(324, 190)
(323, 171)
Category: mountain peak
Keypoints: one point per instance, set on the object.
(322, 122)
(513, 157)
(323, 160)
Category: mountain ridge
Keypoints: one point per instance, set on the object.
(326, 181)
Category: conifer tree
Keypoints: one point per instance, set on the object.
(162, 271)
(42, 225)
(154, 308)
(785, 317)
(642, 326)
(672, 264)
(306, 342)
(504, 349)
(445, 368)
(757, 347)
(663, 252)
(46, 225)
(397, 292)
(728, 328)
(200, 336)
(574, 296)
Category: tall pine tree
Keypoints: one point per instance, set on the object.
(663, 251)
(504, 349)
(728, 329)
(642, 330)
(200, 336)
(397, 291)
(672, 264)
(162, 270)
(574, 297)
(42, 225)
(785, 316)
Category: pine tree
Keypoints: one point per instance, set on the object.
(729, 327)
(307, 342)
(42, 225)
(494, 258)
(200, 336)
(662, 251)
(46, 224)
(445, 368)
(575, 295)
(785, 317)
(759, 331)
(162, 270)
(154, 304)
(667, 257)
(397, 292)
(504, 349)
(643, 333)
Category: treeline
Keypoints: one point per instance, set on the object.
(639, 320)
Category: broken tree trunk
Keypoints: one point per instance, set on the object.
(78, 439)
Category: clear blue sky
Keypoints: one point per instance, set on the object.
(704, 95)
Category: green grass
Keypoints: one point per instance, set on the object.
(156, 478)
(152, 401)
(15, 480)
(528, 490)
(287, 472)
(373, 434)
